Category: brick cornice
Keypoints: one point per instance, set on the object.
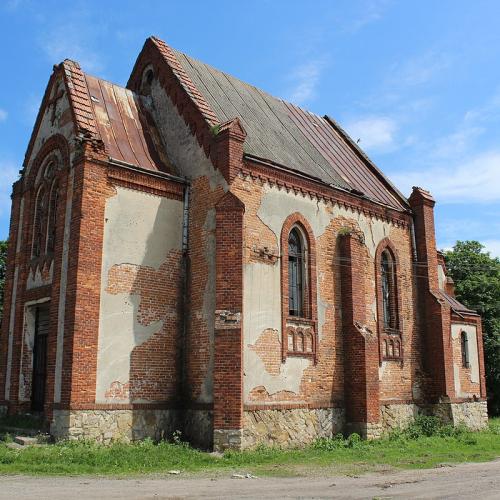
(314, 188)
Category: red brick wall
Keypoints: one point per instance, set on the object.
(434, 314)
(228, 366)
(360, 345)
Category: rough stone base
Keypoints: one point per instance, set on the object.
(367, 430)
(472, 414)
(228, 439)
(198, 428)
(114, 425)
(290, 428)
(397, 416)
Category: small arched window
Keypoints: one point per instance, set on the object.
(388, 283)
(464, 343)
(297, 278)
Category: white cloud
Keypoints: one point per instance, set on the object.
(421, 69)
(457, 143)
(3, 115)
(372, 11)
(476, 179)
(305, 80)
(63, 43)
(492, 246)
(9, 172)
(74, 37)
(375, 133)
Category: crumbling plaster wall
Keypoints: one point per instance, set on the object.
(267, 379)
(467, 381)
(207, 187)
(139, 297)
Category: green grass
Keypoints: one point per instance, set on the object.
(410, 449)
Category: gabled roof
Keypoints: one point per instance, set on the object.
(281, 132)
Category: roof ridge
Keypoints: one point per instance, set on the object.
(200, 102)
(80, 99)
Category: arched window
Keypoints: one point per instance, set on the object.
(388, 283)
(388, 303)
(296, 273)
(52, 219)
(299, 314)
(39, 222)
(464, 343)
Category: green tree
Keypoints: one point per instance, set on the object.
(477, 285)
(3, 266)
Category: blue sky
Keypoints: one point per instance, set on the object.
(417, 82)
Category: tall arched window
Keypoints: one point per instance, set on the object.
(39, 222)
(388, 303)
(464, 343)
(299, 312)
(51, 226)
(297, 277)
(388, 283)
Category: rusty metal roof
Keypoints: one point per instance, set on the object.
(457, 306)
(288, 135)
(123, 126)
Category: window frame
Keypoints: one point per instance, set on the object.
(306, 323)
(390, 335)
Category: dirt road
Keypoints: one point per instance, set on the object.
(460, 481)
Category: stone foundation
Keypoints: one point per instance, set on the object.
(228, 439)
(114, 425)
(367, 430)
(290, 428)
(472, 414)
(397, 416)
(282, 428)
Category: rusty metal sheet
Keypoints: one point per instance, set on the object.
(123, 126)
(101, 116)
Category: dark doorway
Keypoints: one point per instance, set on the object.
(40, 357)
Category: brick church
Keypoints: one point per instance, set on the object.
(190, 253)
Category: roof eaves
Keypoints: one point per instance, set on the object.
(298, 173)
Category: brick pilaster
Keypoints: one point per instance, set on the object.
(360, 344)
(83, 286)
(229, 146)
(435, 316)
(228, 358)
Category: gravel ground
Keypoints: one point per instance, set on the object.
(480, 480)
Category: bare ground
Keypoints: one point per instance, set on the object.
(473, 480)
